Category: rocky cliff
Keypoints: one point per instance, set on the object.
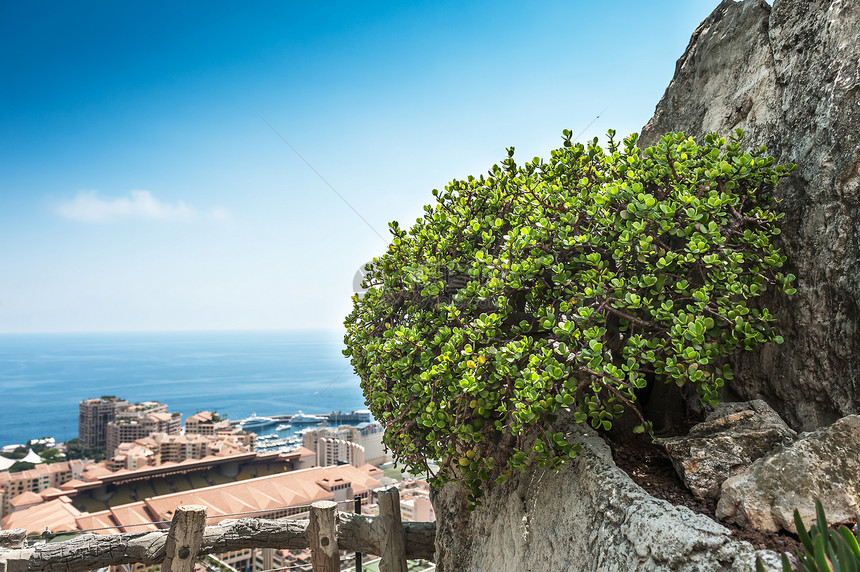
(789, 76)
(588, 517)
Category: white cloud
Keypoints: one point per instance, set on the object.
(88, 206)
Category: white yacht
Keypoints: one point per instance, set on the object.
(254, 422)
(303, 418)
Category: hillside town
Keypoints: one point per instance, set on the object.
(151, 463)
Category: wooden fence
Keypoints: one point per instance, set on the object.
(326, 533)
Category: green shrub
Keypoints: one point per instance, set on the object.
(564, 284)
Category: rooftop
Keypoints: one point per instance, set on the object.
(270, 494)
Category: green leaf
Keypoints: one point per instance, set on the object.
(850, 542)
(509, 289)
(820, 552)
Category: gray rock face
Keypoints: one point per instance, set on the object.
(789, 77)
(726, 443)
(590, 516)
(824, 464)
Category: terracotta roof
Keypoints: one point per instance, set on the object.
(128, 515)
(25, 498)
(301, 452)
(102, 474)
(270, 493)
(58, 515)
(99, 520)
(51, 492)
(200, 416)
(372, 470)
(73, 484)
(95, 472)
(264, 494)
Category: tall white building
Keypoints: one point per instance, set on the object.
(347, 445)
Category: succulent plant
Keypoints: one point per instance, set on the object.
(564, 285)
(825, 550)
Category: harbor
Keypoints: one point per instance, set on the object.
(283, 433)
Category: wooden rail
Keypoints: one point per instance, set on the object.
(177, 548)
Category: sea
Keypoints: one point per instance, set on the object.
(43, 377)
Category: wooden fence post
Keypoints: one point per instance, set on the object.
(322, 537)
(393, 539)
(184, 538)
(357, 511)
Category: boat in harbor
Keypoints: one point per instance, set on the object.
(283, 427)
(304, 418)
(255, 422)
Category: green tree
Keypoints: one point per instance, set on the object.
(74, 449)
(52, 455)
(19, 466)
(564, 284)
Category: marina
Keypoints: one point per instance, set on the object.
(288, 430)
(277, 442)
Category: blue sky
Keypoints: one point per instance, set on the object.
(144, 184)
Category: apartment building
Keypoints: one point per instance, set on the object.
(347, 445)
(127, 429)
(36, 480)
(158, 448)
(141, 409)
(205, 423)
(415, 502)
(93, 418)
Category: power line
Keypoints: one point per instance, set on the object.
(323, 179)
(584, 129)
(208, 516)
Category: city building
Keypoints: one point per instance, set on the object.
(132, 456)
(159, 448)
(205, 423)
(347, 444)
(140, 409)
(107, 421)
(274, 496)
(369, 436)
(339, 452)
(415, 502)
(209, 423)
(93, 418)
(127, 428)
(97, 487)
(37, 480)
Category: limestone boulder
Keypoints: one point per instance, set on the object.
(588, 517)
(823, 464)
(726, 443)
(788, 75)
